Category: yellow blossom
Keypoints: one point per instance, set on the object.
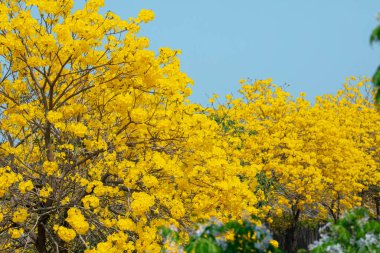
(16, 233)
(142, 202)
(274, 243)
(66, 234)
(46, 191)
(25, 186)
(126, 224)
(146, 15)
(90, 201)
(50, 167)
(20, 215)
(77, 221)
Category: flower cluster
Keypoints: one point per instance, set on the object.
(77, 221)
(20, 215)
(25, 186)
(66, 234)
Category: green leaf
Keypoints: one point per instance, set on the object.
(204, 245)
(377, 97)
(376, 77)
(375, 36)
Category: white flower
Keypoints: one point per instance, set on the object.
(369, 241)
(363, 220)
(200, 230)
(173, 228)
(314, 245)
(334, 249)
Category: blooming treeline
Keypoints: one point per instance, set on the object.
(100, 144)
(315, 160)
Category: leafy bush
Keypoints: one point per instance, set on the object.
(214, 237)
(355, 232)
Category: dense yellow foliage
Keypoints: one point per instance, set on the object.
(317, 160)
(99, 144)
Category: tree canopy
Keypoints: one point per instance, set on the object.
(99, 144)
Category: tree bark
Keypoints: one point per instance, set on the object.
(41, 232)
(290, 234)
(41, 235)
(377, 203)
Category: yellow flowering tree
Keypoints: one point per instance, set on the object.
(316, 160)
(99, 144)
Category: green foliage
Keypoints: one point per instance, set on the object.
(203, 245)
(375, 37)
(234, 236)
(355, 232)
(266, 185)
(228, 125)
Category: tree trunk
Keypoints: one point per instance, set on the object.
(290, 234)
(41, 235)
(41, 232)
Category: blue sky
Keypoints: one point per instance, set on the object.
(312, 45)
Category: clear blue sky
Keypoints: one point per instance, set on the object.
(313, 45)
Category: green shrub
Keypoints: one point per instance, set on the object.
(355, 232)
(214, 237)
